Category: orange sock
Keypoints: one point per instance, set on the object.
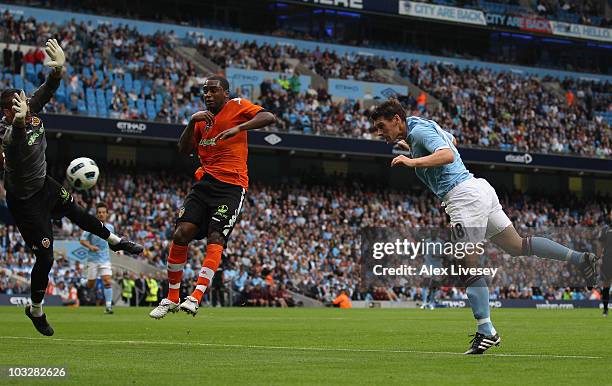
(209, 267)
(176, 263)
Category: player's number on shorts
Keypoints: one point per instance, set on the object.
(458, 231)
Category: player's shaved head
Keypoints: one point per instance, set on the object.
(217, 81)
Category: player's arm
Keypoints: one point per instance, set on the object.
(261, 119)
(45, 92)
(186, 142)
(438, 158)
(440, 151)
(85, 242)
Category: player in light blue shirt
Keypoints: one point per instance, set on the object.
(472, 205)
(98, 258)
(433, 259)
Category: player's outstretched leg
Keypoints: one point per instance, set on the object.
(510, 241)
(478, 295)
(89, 223)
(39, 282)
(214, 250)
(184, 233)
(605, 299)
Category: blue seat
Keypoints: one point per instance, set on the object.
(90, 97)
(81, 107)
(29, 89)
(86, 72)
(137, 86)
(109, 95)
(128, 83)
(30, 72)
(147, 90)
(18, 82)
(60, 94)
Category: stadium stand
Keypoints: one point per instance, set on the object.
(128, 75)
(302, 237)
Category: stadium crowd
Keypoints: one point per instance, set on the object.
(303, 237)
(117, 72)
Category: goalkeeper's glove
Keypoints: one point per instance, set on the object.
(20, 107)
(56, 54)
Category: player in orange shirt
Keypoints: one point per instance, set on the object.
(214, 203)
(342, 300)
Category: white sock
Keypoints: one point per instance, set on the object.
(36, 309)
(113, 239)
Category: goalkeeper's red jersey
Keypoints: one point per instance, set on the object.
(226, 160)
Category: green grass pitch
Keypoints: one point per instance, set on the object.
(310, 346)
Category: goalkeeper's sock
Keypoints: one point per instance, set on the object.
(108, 296)
(478, 295)
(209, 267)
(548, 249)
(176, 263)
(36, 309)
(113, 239)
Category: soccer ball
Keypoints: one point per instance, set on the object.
(82, 173)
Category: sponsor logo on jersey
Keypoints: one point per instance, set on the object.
(34, 134)
(207, 142)
(46, 242)
(64, 195)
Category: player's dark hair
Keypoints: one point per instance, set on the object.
(101, 205)
(6, 99)
(224, 83)
(388, 109)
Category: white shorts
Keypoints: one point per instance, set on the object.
(96, 269)
(474, 205)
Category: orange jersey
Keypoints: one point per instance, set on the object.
(227, 160)
(343, 301)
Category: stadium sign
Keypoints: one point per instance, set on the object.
(355, 4)
(519, 158)
(442, 12)
(353, 89)
(131, 127)
(527, 303)
(581, 31)
(21, 300)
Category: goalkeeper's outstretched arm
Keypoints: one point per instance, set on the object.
(45, 92)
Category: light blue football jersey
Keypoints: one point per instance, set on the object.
(103, 254)
(425, 137)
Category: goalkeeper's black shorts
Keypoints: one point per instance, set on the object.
(33, 215)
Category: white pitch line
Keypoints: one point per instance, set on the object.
(330, 349)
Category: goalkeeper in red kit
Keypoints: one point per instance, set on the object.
(212, 207)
